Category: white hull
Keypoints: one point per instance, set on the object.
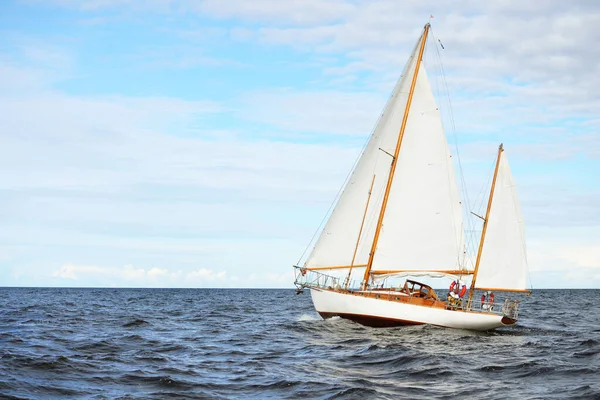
(379, 312)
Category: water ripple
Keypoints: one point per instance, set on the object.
(222, 344)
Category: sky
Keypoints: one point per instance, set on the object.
(199, 143)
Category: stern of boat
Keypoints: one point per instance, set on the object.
(510, 312)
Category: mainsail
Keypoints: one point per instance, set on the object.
(503, 263)
(422, 226)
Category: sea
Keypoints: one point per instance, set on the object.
(60, 343)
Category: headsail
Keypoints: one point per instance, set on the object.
(503, 262)
(337, 241)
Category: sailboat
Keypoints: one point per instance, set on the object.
(399, 219)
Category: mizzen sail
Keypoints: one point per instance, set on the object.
(503, 263)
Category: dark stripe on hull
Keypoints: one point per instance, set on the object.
(369, 320)
(508, 321)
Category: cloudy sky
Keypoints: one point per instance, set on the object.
(174, 143)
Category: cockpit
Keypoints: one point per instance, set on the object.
(418, 289)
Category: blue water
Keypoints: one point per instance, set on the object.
(213, 343)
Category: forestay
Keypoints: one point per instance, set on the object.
(503, 263)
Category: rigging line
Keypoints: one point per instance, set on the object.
(437, 73)
(484, 188)
(481, 195)
(470, 222)
(453, 126)
(468, 244)
(461, 171)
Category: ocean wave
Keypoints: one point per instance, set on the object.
(135, 323)
(146, 344)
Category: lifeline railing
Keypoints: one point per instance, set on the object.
(510, 308)
(305, 278)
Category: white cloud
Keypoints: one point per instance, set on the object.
(291, 11)
(21, 80)
(553, 49)
(582, 256)
(322, 111)
(552, 45)
(144, 178)
(118, 144)
(74, 272)
(130, 276)
(157, 272)
(565, 258)
(127, 273)
(206, 275)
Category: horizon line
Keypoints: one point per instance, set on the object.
(222, 288)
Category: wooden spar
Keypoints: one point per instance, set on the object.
(395, 157)
(335, 267)
(441, 271)
(362, 224)
(485, 224)
(505, 290)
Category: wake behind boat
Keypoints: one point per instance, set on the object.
(400, 216)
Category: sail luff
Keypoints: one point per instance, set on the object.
(396, 152)
(485, 224)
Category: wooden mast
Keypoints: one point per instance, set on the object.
(485, 224)
(362, 224)
(395, 156)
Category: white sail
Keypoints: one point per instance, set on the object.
(503, 263)
(337, 242)
(422, 228)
